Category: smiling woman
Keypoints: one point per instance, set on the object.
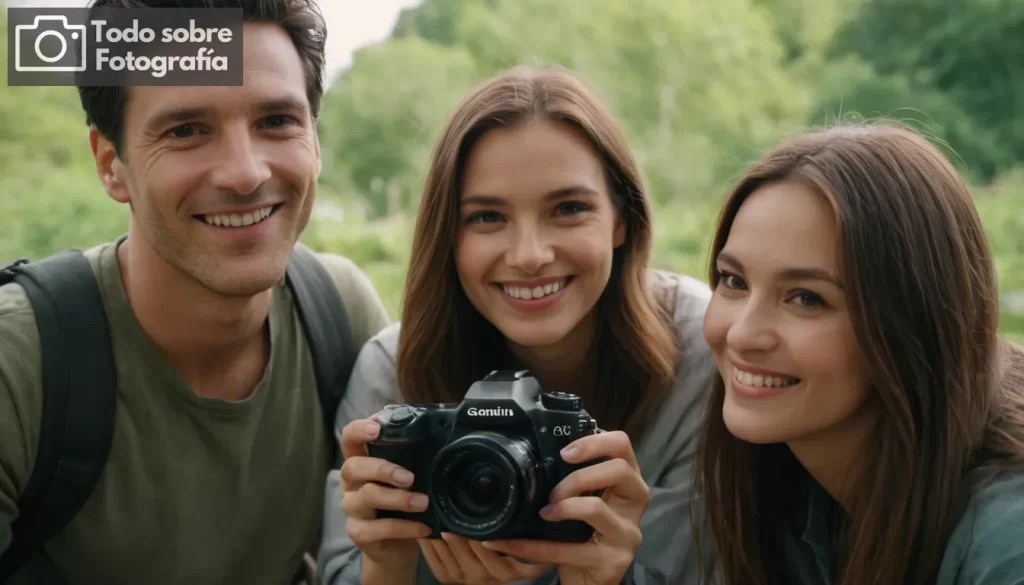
(867, 426)
(530, 252)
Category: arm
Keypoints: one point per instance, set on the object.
(669, 553)
(372, 387)
(20, 402)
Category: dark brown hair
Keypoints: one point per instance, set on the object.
(921, 290)
(301, 19)
(445, 344)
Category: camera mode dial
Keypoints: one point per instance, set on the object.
(398, 416)
(560, 401)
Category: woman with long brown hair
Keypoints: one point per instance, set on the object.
(531, 251)
(867, 425)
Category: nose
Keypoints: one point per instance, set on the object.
(528, 250)
(753, 330)
(241, 167)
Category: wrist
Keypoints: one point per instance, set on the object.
(394, 573)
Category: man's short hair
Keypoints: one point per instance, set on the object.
(301, 19)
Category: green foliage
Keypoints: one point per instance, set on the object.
(969, 52)
(700, 89)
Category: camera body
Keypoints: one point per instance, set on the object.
(489, 463)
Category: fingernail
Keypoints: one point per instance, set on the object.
(402, 476)
(489, 544)
(570, 453)
(418, 502)
(371, 429)
(546, 510)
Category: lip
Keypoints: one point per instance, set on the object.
(238, 210)
(756, 370)
(755, 392)
(243, 234)
(535, 305)
(534, 282)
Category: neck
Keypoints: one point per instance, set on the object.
(833, 457)
(562, 366)
(218, 345)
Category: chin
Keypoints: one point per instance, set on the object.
(246, 280)
(531, 335)
(753, 427)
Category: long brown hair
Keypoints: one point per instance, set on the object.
(922, 295)
(445, 344)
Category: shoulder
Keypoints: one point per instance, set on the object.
(21, 381)
(987, 545)
(365, 309)
(352, 281)
(685, 299)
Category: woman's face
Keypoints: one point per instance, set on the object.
(778, 324)
(536, 232)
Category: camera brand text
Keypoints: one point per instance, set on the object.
(474, 411)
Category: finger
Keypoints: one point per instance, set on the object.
(473, 570)
(614, 445)
(370, 531)
(446, 559)
(612, 528)
(374, 496)
(615, 475)
(437, 568)
(506, 568)
(359, 470)
(355, 435)
(583, 555)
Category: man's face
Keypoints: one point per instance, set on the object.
(221, 180)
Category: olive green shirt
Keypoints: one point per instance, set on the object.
(986, 546)
(196, 490)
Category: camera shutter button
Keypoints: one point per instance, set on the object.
(560, 401)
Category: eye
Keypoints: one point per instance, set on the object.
(278, 120)
(730, 281)
(484, 217)
(809, 299)
(571, 208)
(183, 131)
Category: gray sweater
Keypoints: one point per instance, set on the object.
(665, 452)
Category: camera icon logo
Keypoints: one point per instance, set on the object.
(70, 38)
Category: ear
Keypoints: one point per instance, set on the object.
(109, 167)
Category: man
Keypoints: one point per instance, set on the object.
(217, 466)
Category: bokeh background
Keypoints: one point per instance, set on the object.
(702, 87)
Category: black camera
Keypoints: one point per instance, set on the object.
(489, 463)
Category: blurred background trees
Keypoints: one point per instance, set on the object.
(700, 87)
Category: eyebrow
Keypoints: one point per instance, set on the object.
(793, 273)
(562, 193)
(277, 105)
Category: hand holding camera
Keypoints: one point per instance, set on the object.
(515, 470)
(370, 484)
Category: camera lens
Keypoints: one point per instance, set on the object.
(482, 482)
(477, 489)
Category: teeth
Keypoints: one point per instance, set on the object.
(764, 381)
(236, 220)
(526, 294)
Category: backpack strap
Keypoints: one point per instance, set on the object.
(79, 398)
(325, 322)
